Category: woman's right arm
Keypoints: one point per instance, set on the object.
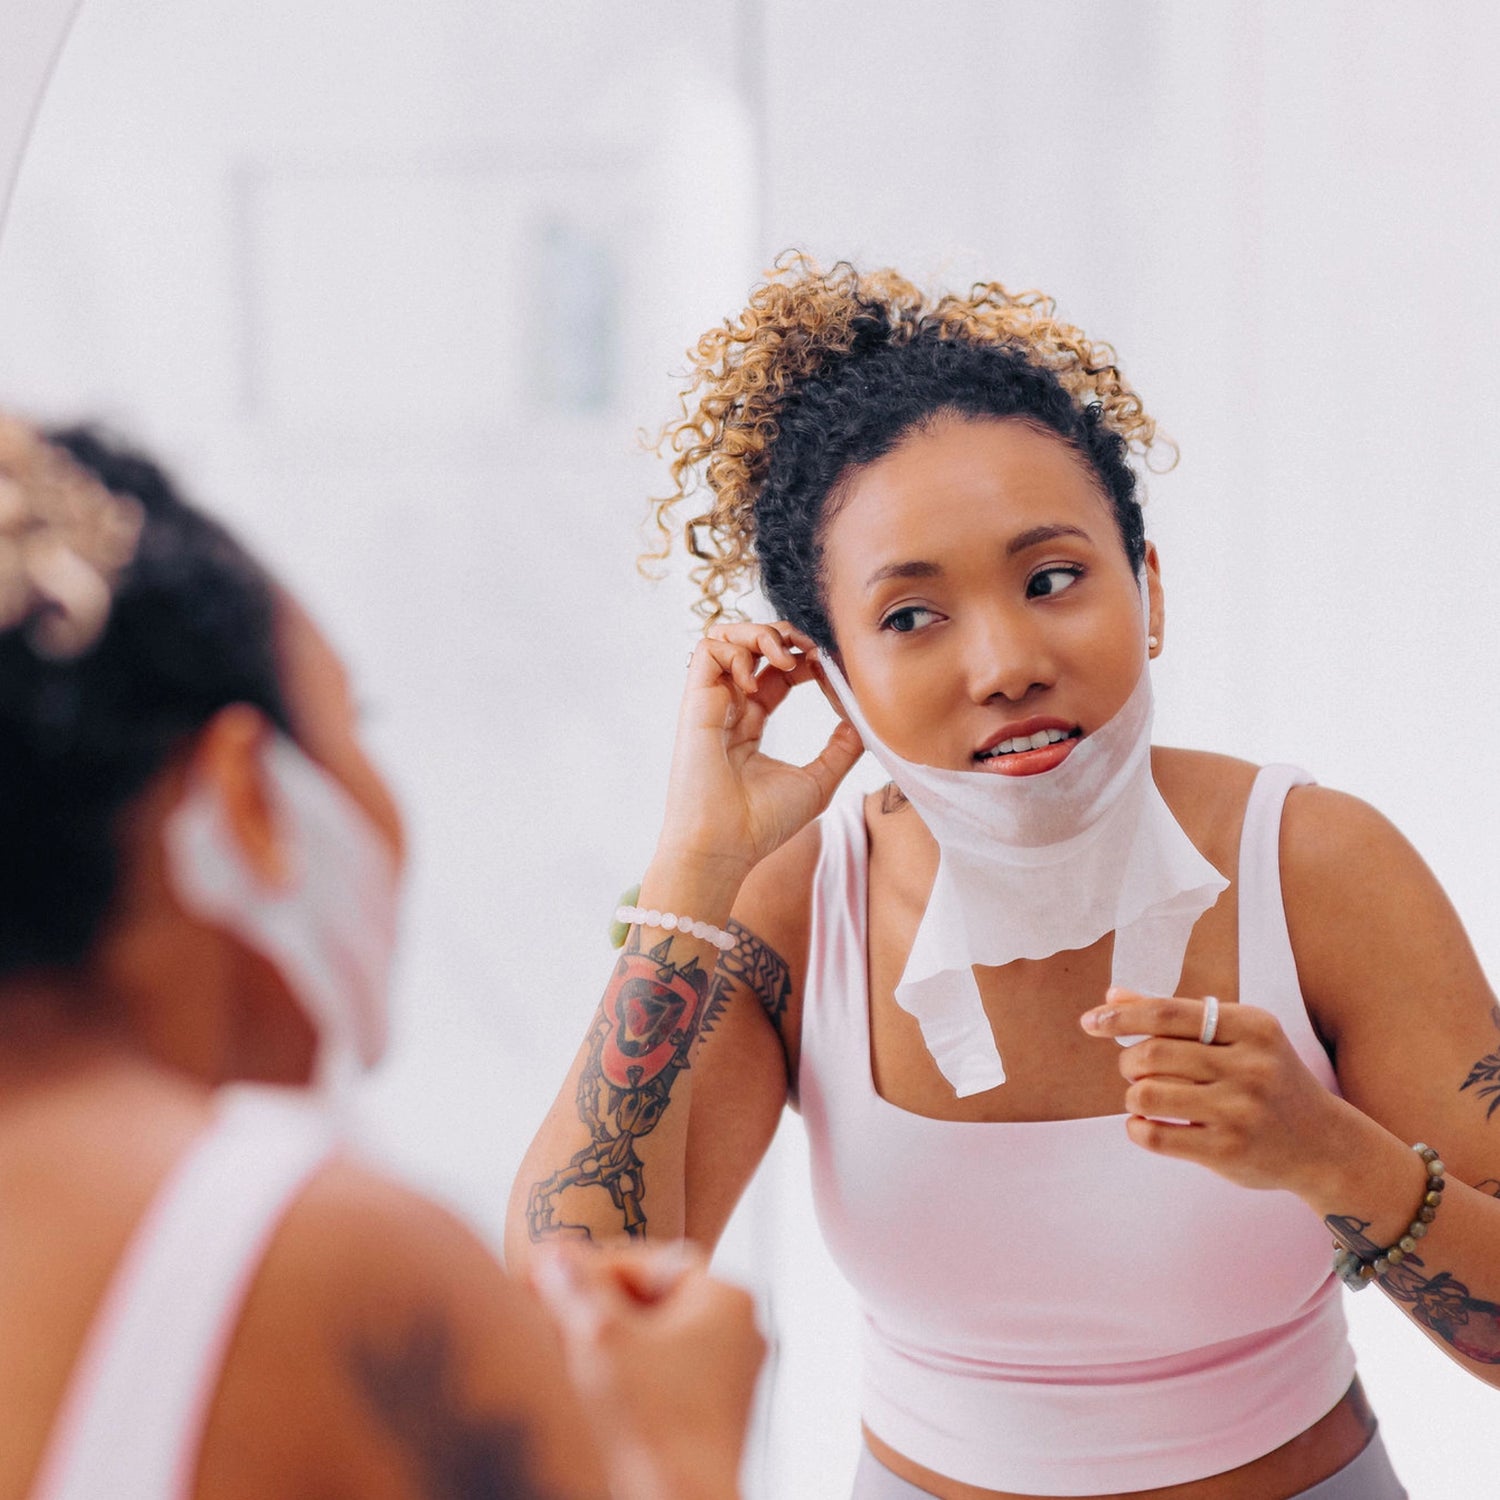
(620, 1153)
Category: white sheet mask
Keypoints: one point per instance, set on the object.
(329, 929)
(1029, 866)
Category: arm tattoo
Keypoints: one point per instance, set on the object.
(652, 1012)
(750, 965)
(641, 1039)
(1486, 1073)
(1440, 1303)
(413, 1389)
(892, 798)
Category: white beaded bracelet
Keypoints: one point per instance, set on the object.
(669, 921)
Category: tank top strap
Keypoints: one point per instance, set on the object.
(1267, 965)
(132, 1419)
(835, 1020)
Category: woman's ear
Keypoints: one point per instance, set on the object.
(1157, 618)
(229, 758)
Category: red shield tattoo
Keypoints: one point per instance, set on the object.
(652, 1014)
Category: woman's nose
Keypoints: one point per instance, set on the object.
(1006, 655)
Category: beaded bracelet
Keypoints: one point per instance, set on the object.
(669, 921)
(1356, 1273)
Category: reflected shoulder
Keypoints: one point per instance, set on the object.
(384, 1324)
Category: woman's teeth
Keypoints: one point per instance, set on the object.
(1037, 741)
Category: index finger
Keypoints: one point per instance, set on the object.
(1126, 1013)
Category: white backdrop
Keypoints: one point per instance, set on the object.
(397, 283)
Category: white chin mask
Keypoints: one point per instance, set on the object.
(329, 929)
(1029, 866)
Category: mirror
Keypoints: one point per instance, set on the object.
(396, 285)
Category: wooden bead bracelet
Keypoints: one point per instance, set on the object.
(1357, 1273)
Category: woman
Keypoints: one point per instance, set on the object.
(1069, 1287)
(201, 1295)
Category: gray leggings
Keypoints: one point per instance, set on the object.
(1367, 1477)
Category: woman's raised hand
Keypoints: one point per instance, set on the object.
(728, 803)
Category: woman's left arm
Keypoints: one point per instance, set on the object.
(1393, 985)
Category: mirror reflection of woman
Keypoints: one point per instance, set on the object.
(202, 1294)
(1073, 1276)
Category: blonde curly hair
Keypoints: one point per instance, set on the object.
(803, 329)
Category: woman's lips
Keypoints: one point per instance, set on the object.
(1029, 762)
(1008, 754)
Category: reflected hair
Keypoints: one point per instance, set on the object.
(190, 630)
(825, 371)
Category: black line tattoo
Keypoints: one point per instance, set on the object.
(643, 1036)
(892, 798)
(413, 1388)
(750, 965)
(1486, 1073)
(1441, 1303)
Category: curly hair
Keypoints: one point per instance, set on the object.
(824, 371)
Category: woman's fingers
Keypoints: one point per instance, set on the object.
(1168, 1057)
(734, 661)
(754, 665)
(1126, 1013)
(780, 643)
(1171, 1099)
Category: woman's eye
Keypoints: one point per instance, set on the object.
(910, 617)
(1051, 581)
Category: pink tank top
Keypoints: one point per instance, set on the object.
(131, 1421)
(1097, 1318)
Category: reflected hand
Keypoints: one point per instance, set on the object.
(727, 801)
(665, 1359)
(1244, 1104)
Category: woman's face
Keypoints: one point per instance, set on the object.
(986, 615)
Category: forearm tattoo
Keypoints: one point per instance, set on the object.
(413, 1388)
(1484, 1076)
(653, 1011)
(1441, 1303)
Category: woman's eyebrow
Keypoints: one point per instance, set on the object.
(1038, 534)
(903, 570)
(1032, 537)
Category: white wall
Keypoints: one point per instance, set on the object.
(1282, 216)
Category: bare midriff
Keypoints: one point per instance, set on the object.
(1309, 1458)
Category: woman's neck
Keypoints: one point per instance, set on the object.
(54, 1027)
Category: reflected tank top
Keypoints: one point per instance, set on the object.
(131, 1421)
(1048, 1308)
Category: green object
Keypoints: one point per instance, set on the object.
(619, 931)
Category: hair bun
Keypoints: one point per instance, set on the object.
(64, 542)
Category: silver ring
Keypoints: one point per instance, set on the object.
(1210, 1019)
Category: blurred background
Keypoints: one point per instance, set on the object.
(397, 286)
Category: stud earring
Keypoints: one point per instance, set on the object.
(1152, 642)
